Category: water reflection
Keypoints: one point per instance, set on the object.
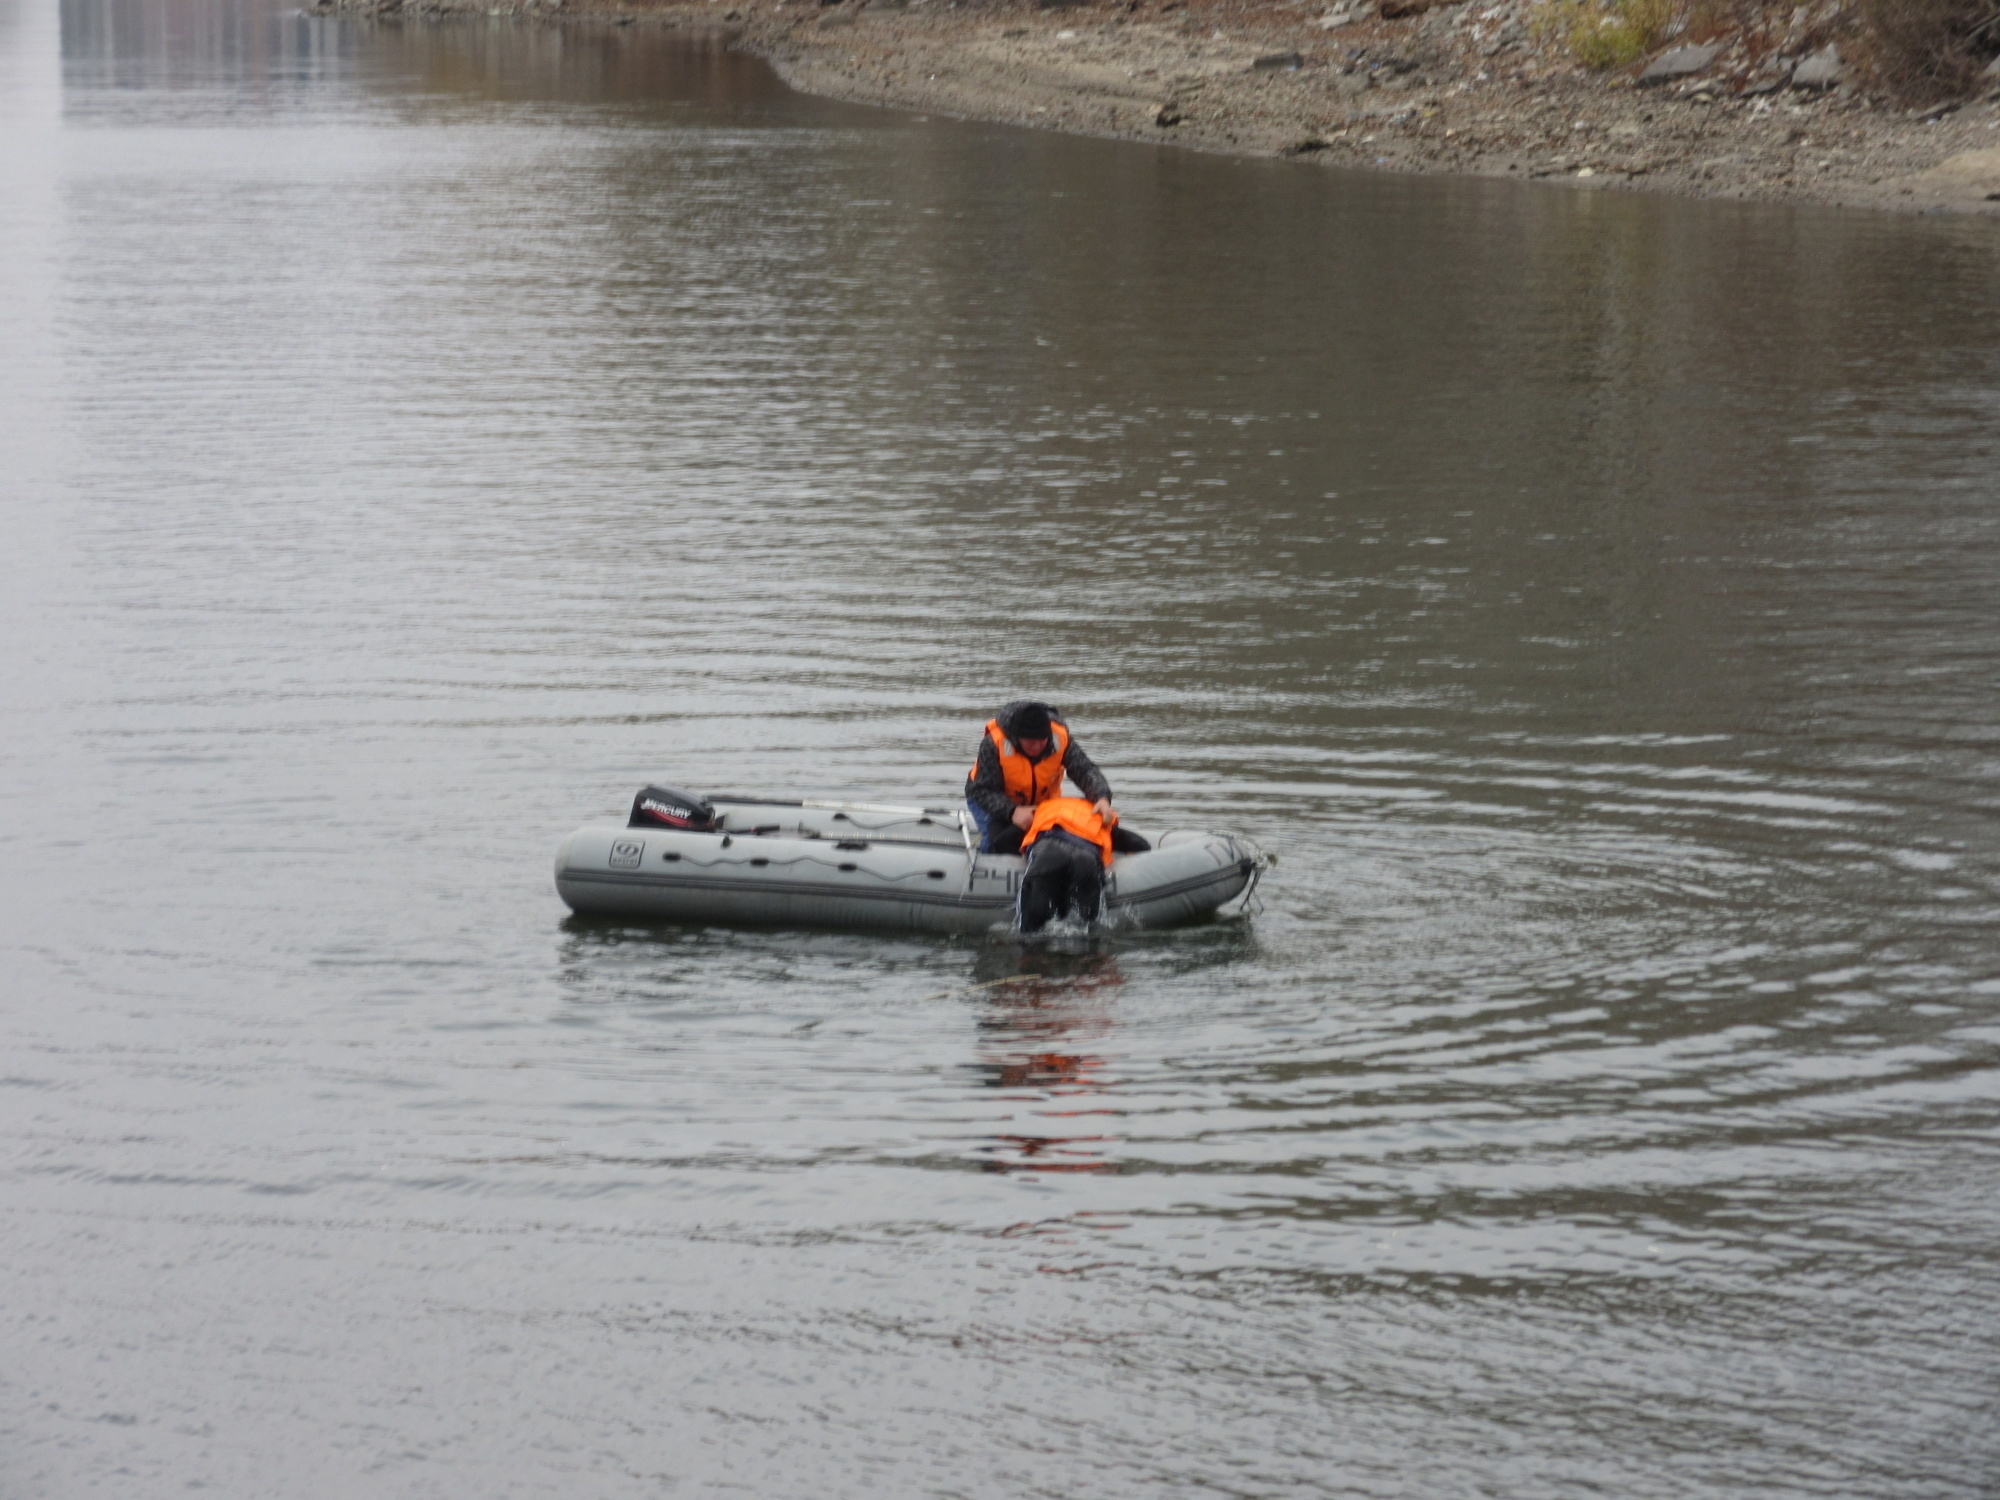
(1040, 1034)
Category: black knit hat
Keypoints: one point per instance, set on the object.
(1032, 723)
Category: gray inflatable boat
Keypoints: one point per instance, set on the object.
(830, 864)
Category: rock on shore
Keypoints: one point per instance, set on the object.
(1427, 87)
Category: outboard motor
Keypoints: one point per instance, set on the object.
(669, 807)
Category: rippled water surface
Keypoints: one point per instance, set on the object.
(414, 439)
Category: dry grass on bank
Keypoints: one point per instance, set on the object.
(1923, 50)
(1609, 36)
(1912, 51)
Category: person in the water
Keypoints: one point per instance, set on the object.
(1023, 757)
(1068, 846)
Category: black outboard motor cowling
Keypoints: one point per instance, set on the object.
(669, 807)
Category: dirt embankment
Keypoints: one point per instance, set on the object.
(1468, 88)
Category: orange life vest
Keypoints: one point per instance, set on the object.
(1029, 782)
(1072, 815)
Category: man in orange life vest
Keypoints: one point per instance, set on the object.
(1015, 793)
(1023, 757)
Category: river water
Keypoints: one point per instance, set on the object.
(416, 439)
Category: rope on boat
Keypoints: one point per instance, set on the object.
(965, 826)
(1261, 860)
(803, 859)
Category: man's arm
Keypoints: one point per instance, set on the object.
(987, 785)
(1081, 769)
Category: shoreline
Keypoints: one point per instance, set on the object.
(1463, 89)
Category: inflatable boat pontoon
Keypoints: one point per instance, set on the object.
(829, 864)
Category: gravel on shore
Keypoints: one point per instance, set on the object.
(1464, 88)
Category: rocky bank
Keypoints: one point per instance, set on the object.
(1387, 85)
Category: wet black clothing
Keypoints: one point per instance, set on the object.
(1003, 838)
(1064, 879)
(986, 787)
